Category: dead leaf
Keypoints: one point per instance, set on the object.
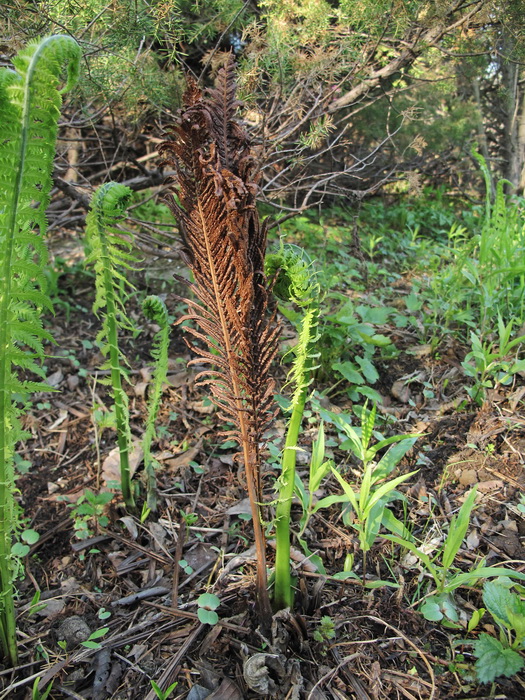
(185, 458)
(130, 526)
(473, 540)
(55, 378)
(400, 391)
(140, 389)
(227, 690)
(111, 465)
(61, 418)
(420, 350)
(240, 507)
(72, 381)
(204, 406)
(180, 378)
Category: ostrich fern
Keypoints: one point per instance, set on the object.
(294, 281)
(30, 102)
(111, 257)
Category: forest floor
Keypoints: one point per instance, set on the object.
(126, 575)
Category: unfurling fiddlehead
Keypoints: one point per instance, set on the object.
(30, 102)
(155, 310)
(111, 257)
(293, 282)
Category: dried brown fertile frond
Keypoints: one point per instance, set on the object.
(224, 243)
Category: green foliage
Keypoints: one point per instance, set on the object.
(501, 657)
(111, 257)
(319, 469)
(163, 694)
(30, 101)
(89, 507)
(490, 363)
(37, 694)
(208, 603)
(486, 276)
(155, 310)
(294, 283)
(325, 630)
(447, 577)
(373, 492)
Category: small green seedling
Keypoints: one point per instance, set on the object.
(21, 549)
(91, 642)
(501, 657)
(186, 567)
(325, 630)
(163, 694)
(40, 694)
(90, 507)
(208, 603)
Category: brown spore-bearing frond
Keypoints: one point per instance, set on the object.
(214, 200)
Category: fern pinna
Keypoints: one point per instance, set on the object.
(111, 257)
(29, 109)
(225, 242)
(155, 310)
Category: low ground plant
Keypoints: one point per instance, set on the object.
(368, 499)
(491, 362)
(500, 656)
(446, 576)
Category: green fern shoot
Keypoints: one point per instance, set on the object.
(30, 102)
(155, 310)
(295, 283)
(111, 255)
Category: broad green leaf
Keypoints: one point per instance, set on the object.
(431, 610)
(505, 606)
(99, 633)
(493, 659)
(207, 617)
(208, 600)
(349, 372)
(469, 578)
(385, 489)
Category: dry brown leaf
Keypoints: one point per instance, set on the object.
(201, 406)
(111, 465)
(400, 391)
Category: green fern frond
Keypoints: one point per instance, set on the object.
(29, 109)
(109, 252)
(294, 282)
(155, 310)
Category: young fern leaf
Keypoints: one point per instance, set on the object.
(294, 281)
(155, 310)
(29, 110)
(224, 241)
(111, 255)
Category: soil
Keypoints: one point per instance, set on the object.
(139, 575)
